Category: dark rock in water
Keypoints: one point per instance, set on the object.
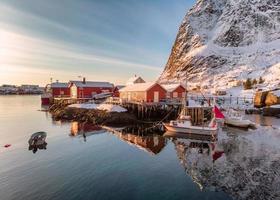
(268, 111)
(253, 111)
(93, 116)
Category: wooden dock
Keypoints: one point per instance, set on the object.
(151, 111)
(68, 100)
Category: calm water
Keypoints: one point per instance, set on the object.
(103, 165)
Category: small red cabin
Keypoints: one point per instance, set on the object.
(143, 92)
(60, 89)
(87, 89)
(174, 91)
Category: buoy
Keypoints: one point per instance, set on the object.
(7, 145)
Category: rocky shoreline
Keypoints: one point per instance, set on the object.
(99, 117)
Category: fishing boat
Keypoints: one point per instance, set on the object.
(183, 125)
(233, 118)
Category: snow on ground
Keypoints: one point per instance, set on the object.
(107, 107)
(236, 98)
(275, 106)
(239, 92)
(277, 93)
(193, 103)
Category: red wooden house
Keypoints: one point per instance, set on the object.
(87, 89)
(143, 92)
(60, 89)
(174, 91)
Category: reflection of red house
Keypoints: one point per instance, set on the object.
(174, 91)
(60, 89)
(87, 89)
(151, 144)
(80, 128)
(143, 92)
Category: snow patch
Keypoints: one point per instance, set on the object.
(106, 107)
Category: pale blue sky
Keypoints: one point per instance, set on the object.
(99, 39)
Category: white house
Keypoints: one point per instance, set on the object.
(134, 80)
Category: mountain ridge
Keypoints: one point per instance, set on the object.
(226, 40)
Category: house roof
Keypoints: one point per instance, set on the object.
(59, 85)
(119, 86)
(139, 87)
(133, 79)
(171, 87)
(92, 84)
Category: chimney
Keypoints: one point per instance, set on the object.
(84, 80)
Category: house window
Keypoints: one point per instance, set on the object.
(175, 94)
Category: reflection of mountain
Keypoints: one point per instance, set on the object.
(248, 169)
(152, 144)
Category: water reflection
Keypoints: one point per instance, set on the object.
(244, 166)
(263, 120)
(35, 148)
(138, 137)
(85, 129)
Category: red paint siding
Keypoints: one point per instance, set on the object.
(61, 92)
(156, 88)
(180, 90)
(87, 92)
(116, 92)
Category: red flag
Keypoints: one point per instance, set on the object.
(217, 155)
(218, 113)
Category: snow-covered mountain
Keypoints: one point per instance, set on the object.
(224, 40)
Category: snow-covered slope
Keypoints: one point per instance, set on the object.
(231, 39)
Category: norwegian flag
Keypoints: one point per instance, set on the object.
(218, 113)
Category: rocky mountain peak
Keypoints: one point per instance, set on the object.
(233, 39)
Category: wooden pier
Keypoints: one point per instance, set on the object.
(69, 100)
(151, 111)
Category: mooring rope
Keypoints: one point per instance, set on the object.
(160, 122)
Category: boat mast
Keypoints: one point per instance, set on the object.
(186, 89)
(185, 96)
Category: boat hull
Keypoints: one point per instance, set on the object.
(192, 130)
(239, 123)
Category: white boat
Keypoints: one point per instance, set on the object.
(234, 118)
(184, 125)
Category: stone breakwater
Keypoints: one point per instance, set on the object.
(60, 111)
